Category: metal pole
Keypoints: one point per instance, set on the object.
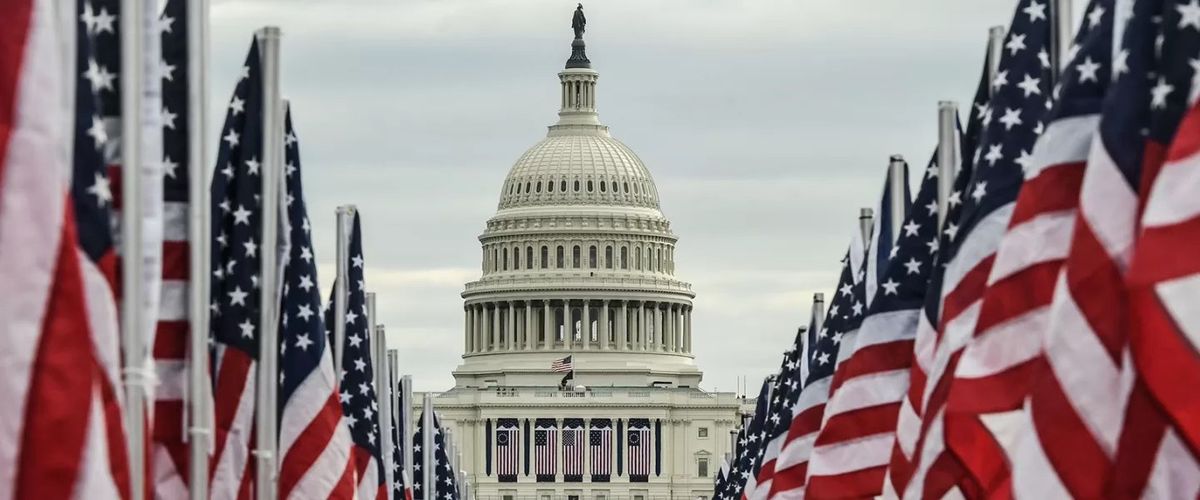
(947, 156)
(383, 396)
(375, 359)
(428, 462)
(866, 222)
(818, 311)
(268, 362)
(345, 221)
(994, 49)
(406, 405)
(199, 414)
(1060, 37)
(134, 376)
(897, 182)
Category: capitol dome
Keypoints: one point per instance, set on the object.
(578, 261)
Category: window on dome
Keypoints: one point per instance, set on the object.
(518, 188)
(560, 258)
(614, 186)
(637, 259)
(658, 254)
(527, 184)
(528, 257)
(626, 187)
(562, 185)
(517, 259)
(635, 189)
(603, 189)
(550, 186)
(624, 257)
(575, 257)
(495, 260)
(545, 256)
(592, 257)
(576, 185)
(608, 255)
(539, 186)
(590, 186)
(505, 259)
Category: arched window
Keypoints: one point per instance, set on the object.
(658, 254)
(510, 189)
(627, 187)
(505, 259)
(608, 257)
(539, 187)
(495, 260)
(576, 185)
(624, 257)
(637, 258)
(560, 258)
(592, 257)
(614, 186)
(545, 256)
(518, 188)
(603, 187)
(635, 189)
(528, 257)
(527, 187)
(563, 185)
(575, 257)
(550, 186)
(590, 185)
(516, 258)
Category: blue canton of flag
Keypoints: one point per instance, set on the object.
(752, 445)
(96, 58)
(445, 477)
(903, 285)
(845, 314)
(358, 376)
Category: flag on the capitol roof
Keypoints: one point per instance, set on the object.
(851, 453)
(60, 325)
(1013, 121)
(445, 477)
(1164, 278)
(169, 450)
(314, 443)
(359, 405)
(235, 285)
(562, 365)
(908, 418)
(990, 383)
(844, 316)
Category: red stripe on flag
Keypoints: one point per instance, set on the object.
(861, 483)
(967, 291)
(1074, 453)
(859, 423)
(231, 382)
(309, 445)
(176, 263)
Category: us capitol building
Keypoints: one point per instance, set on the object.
(579, 261)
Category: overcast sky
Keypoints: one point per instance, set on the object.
(766, 125)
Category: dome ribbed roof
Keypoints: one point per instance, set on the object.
(584, 169)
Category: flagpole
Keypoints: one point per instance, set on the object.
(947, 156)
(383, 394)
(866, 221)
(427, 466)
(345, 215)
(1061, 34)
(376, 360)
(897, 182)
(994, 47)
(268, 359)
(406, 423)
(133, 347)
(199, 429)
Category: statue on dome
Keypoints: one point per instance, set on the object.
(578, 22)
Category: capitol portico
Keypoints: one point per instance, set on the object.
(579, 261)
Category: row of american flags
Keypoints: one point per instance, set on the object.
(1033, 331)
(139, 300)
(588, 449)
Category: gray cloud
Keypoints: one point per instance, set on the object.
(766, 123)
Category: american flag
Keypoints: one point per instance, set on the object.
(808, 408)
(786, 388)
(851, 453)
(735, 480)
(600, 447)
(56, 264)
(545, 449)
(750, 440)
(170, 451)
(639, 450)
(722, 481)
(235, 297)
(357, 396)
(1013, 122)
(991, 381)
(574, 449)
(1163, 286)
(508, 449)
(908, 419)
(314, 443)
(562, 365)
(882, 250)
(401, 472)
(445, 477)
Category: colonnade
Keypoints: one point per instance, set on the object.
(578, 324)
